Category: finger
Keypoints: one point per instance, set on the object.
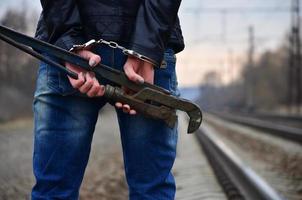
(132, 75)
(126, 108)
(88, 83)
(94, 59)
(118, 105)
(77, 83)
(132, 112)
(94, 90)
(147, 72)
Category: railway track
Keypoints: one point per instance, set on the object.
(237, 179)
(272, 126)
(247, 164)
(293, 120)
(276, 160)
(287, 120)
(196, 176)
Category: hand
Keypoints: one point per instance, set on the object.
(138, 71)
(86, 82)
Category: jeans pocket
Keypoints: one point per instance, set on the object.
(58, 82)
(166, 77)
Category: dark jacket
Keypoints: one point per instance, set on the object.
(145, 26)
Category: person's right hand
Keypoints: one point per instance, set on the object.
(86, 82)
(137, 71)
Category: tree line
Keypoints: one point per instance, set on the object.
(260, 87)
(17, 69)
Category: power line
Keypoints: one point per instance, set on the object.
(238, 10)
(216, 39)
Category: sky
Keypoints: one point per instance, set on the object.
(216, 40)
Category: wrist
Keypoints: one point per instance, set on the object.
(142, 63)
(140, 57)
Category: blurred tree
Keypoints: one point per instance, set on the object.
(212, 78)
(17, 21)
(269, 86)
(269, 79)
(17, 70)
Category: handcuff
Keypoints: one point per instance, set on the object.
(115, 45)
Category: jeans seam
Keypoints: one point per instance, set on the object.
(113, 58)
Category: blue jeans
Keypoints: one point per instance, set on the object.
(64, 125)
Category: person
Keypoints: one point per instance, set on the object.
(66, 110)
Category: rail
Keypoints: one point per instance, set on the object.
(239, 181)
(290, 133)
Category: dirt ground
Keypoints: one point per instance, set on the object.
(104, 178)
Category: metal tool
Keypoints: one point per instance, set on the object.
(149, 100)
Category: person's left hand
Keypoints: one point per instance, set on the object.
(137, 71)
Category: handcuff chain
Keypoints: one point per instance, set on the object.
(111, 44)
(115, 45)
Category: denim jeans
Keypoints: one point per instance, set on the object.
(64, 124)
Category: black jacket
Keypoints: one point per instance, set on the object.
(145, 26)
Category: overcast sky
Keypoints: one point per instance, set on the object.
(218, 41)
(211, 35)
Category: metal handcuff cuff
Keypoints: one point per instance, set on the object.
(115, 45)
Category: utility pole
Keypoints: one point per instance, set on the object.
(231, 65)
(295, 71)
(250, 64)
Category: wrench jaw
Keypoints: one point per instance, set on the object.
(195, 120)
(162, 111)
(192, 110)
